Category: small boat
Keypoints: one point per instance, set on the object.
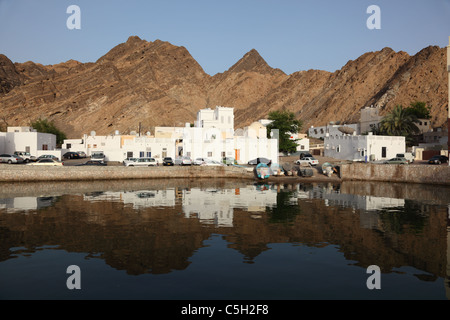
(262, 171)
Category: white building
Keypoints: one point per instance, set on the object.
(212, 137)
(363, 147)
(27, 139)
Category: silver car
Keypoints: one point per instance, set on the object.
(8, 158)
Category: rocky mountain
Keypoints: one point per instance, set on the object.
(160, 84)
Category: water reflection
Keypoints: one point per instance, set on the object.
(158, 227)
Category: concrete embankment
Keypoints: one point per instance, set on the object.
(24, 173)
(425, 174)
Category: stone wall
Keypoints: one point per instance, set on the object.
(10, 173)
(427, 174)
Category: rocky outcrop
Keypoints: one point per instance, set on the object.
(157, 83)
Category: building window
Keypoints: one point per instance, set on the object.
(164, 152)
(302, 147)
(94, 146)
(188, 154)
(44, 147)
(141, 154)
(149, 154)
(69, 145)
(223, 154)
(209, 154)
(129, 154)
(338, 148)
(383, 152)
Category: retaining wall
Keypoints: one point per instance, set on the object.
(23, 173)
(427, 174)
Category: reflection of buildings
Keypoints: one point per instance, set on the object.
(216, 206)
(210, 206)
(20, 204)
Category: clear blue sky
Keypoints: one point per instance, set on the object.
(292, 35)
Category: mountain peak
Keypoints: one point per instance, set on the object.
(252, 61)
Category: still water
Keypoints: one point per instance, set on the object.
(216, 239)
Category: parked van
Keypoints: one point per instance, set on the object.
(407, 155)
(98, 156)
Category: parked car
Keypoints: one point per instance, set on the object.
(8, 158)
(140, 162)
(47, 156)
(260, 160)
(167, 161)
(92, 163)
(98, 156)
(82, 154)
(198, 161)
(438, 159)
(26, 156)
(229, 161)
(209, 162)
(396, 161)
(308, 160)
(46, 162)
(71, 155)
(183, 161)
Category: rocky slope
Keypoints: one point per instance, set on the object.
(157, 83)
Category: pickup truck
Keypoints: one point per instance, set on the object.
(407, 155)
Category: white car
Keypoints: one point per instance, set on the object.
(198, 161)
(139, 162)
(308, 160)
(46, 162)
(183, 161)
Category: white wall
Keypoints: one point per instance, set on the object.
(35, 141)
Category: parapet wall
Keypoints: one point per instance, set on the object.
(426, 174)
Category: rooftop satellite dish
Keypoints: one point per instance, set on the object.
(93, 133)
(116, 132)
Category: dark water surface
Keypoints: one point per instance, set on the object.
(216, 239)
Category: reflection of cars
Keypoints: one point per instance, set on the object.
(209, 162)
(26, 156)
(309, 160)
(140, 162)
(71, 155)
(396, 161)
(229, 161)
(10, 158)
(46, 162)
(260, 160)
(167, 161)
(92, 163)
(82, 154)
(198, 161)
(438, 159)
(48, 156)
(183, 161)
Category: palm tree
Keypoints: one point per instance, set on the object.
(399, 122)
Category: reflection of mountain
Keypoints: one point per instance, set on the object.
(152, 230)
